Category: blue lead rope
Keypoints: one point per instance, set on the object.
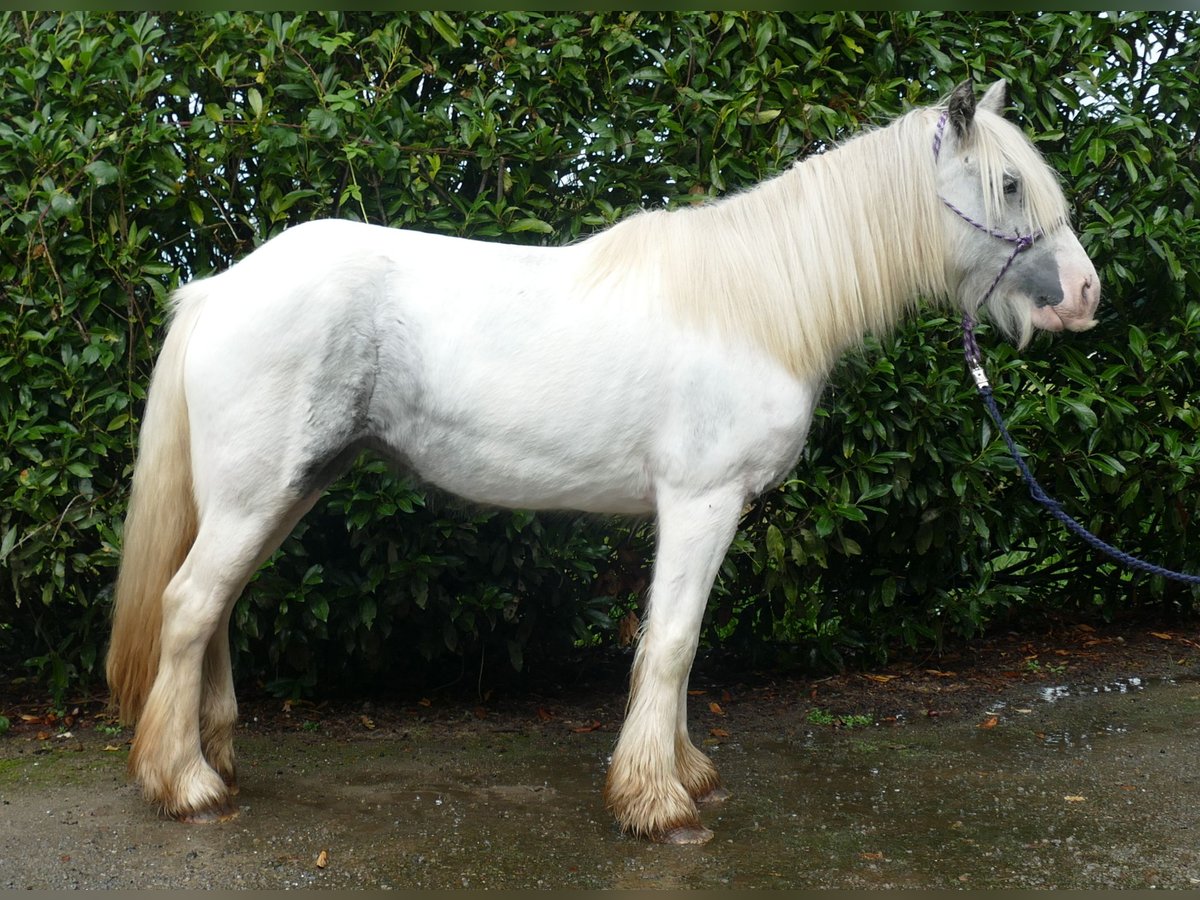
(971, 352)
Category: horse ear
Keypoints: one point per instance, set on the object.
(962, 107)
(995, 98)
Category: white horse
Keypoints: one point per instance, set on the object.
(669, 365)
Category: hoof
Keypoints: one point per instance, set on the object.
(686, 834)
(716, 794)
(223, 813)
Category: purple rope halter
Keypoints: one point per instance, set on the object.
(974, 363)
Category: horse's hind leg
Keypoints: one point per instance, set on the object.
(218, 706)
(218, 702)
(170, 746)
(656, 773)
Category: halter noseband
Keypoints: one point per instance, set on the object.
(1020, 242)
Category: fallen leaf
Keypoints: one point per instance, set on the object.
(480, 712)
(882, 679)
(583, 729)
(322, 859)
(719, 732)
(1162, 635)
(715, 709)
(287, 706)
(989, 722)
(111, 748)
(878, 854)
(1074, 798)
(940, 674)
(367, 722)
(543, 715)
(424, 701)
(726, 697)
(43, 735)
(697, 693)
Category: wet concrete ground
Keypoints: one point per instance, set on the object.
(1039, 785)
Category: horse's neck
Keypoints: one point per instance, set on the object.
(802, 266)
(847, 241)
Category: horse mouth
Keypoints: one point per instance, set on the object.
(1056, 318)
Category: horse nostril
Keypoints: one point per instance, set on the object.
(1046, 300)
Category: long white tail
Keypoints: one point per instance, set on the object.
(161, 523)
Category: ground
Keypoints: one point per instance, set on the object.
(1064, 759)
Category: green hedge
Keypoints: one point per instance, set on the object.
(139, 150)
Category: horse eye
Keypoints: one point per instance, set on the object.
(1010, 184)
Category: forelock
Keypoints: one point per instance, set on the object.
(1002, 148)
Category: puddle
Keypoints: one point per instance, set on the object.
(1129, 685)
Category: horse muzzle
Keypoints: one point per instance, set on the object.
(1075, 308)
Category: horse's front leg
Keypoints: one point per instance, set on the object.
(656, 773)
(696, 770)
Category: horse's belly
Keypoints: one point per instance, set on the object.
(498, 434)
(595, 428)
(501, 473)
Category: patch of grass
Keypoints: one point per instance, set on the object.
(825, 717)
(4, 724)
(1036, 667)
(891, 748)
(10, 768)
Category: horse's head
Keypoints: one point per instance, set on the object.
(1009, 242)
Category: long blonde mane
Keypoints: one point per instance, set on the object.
(840, 245)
